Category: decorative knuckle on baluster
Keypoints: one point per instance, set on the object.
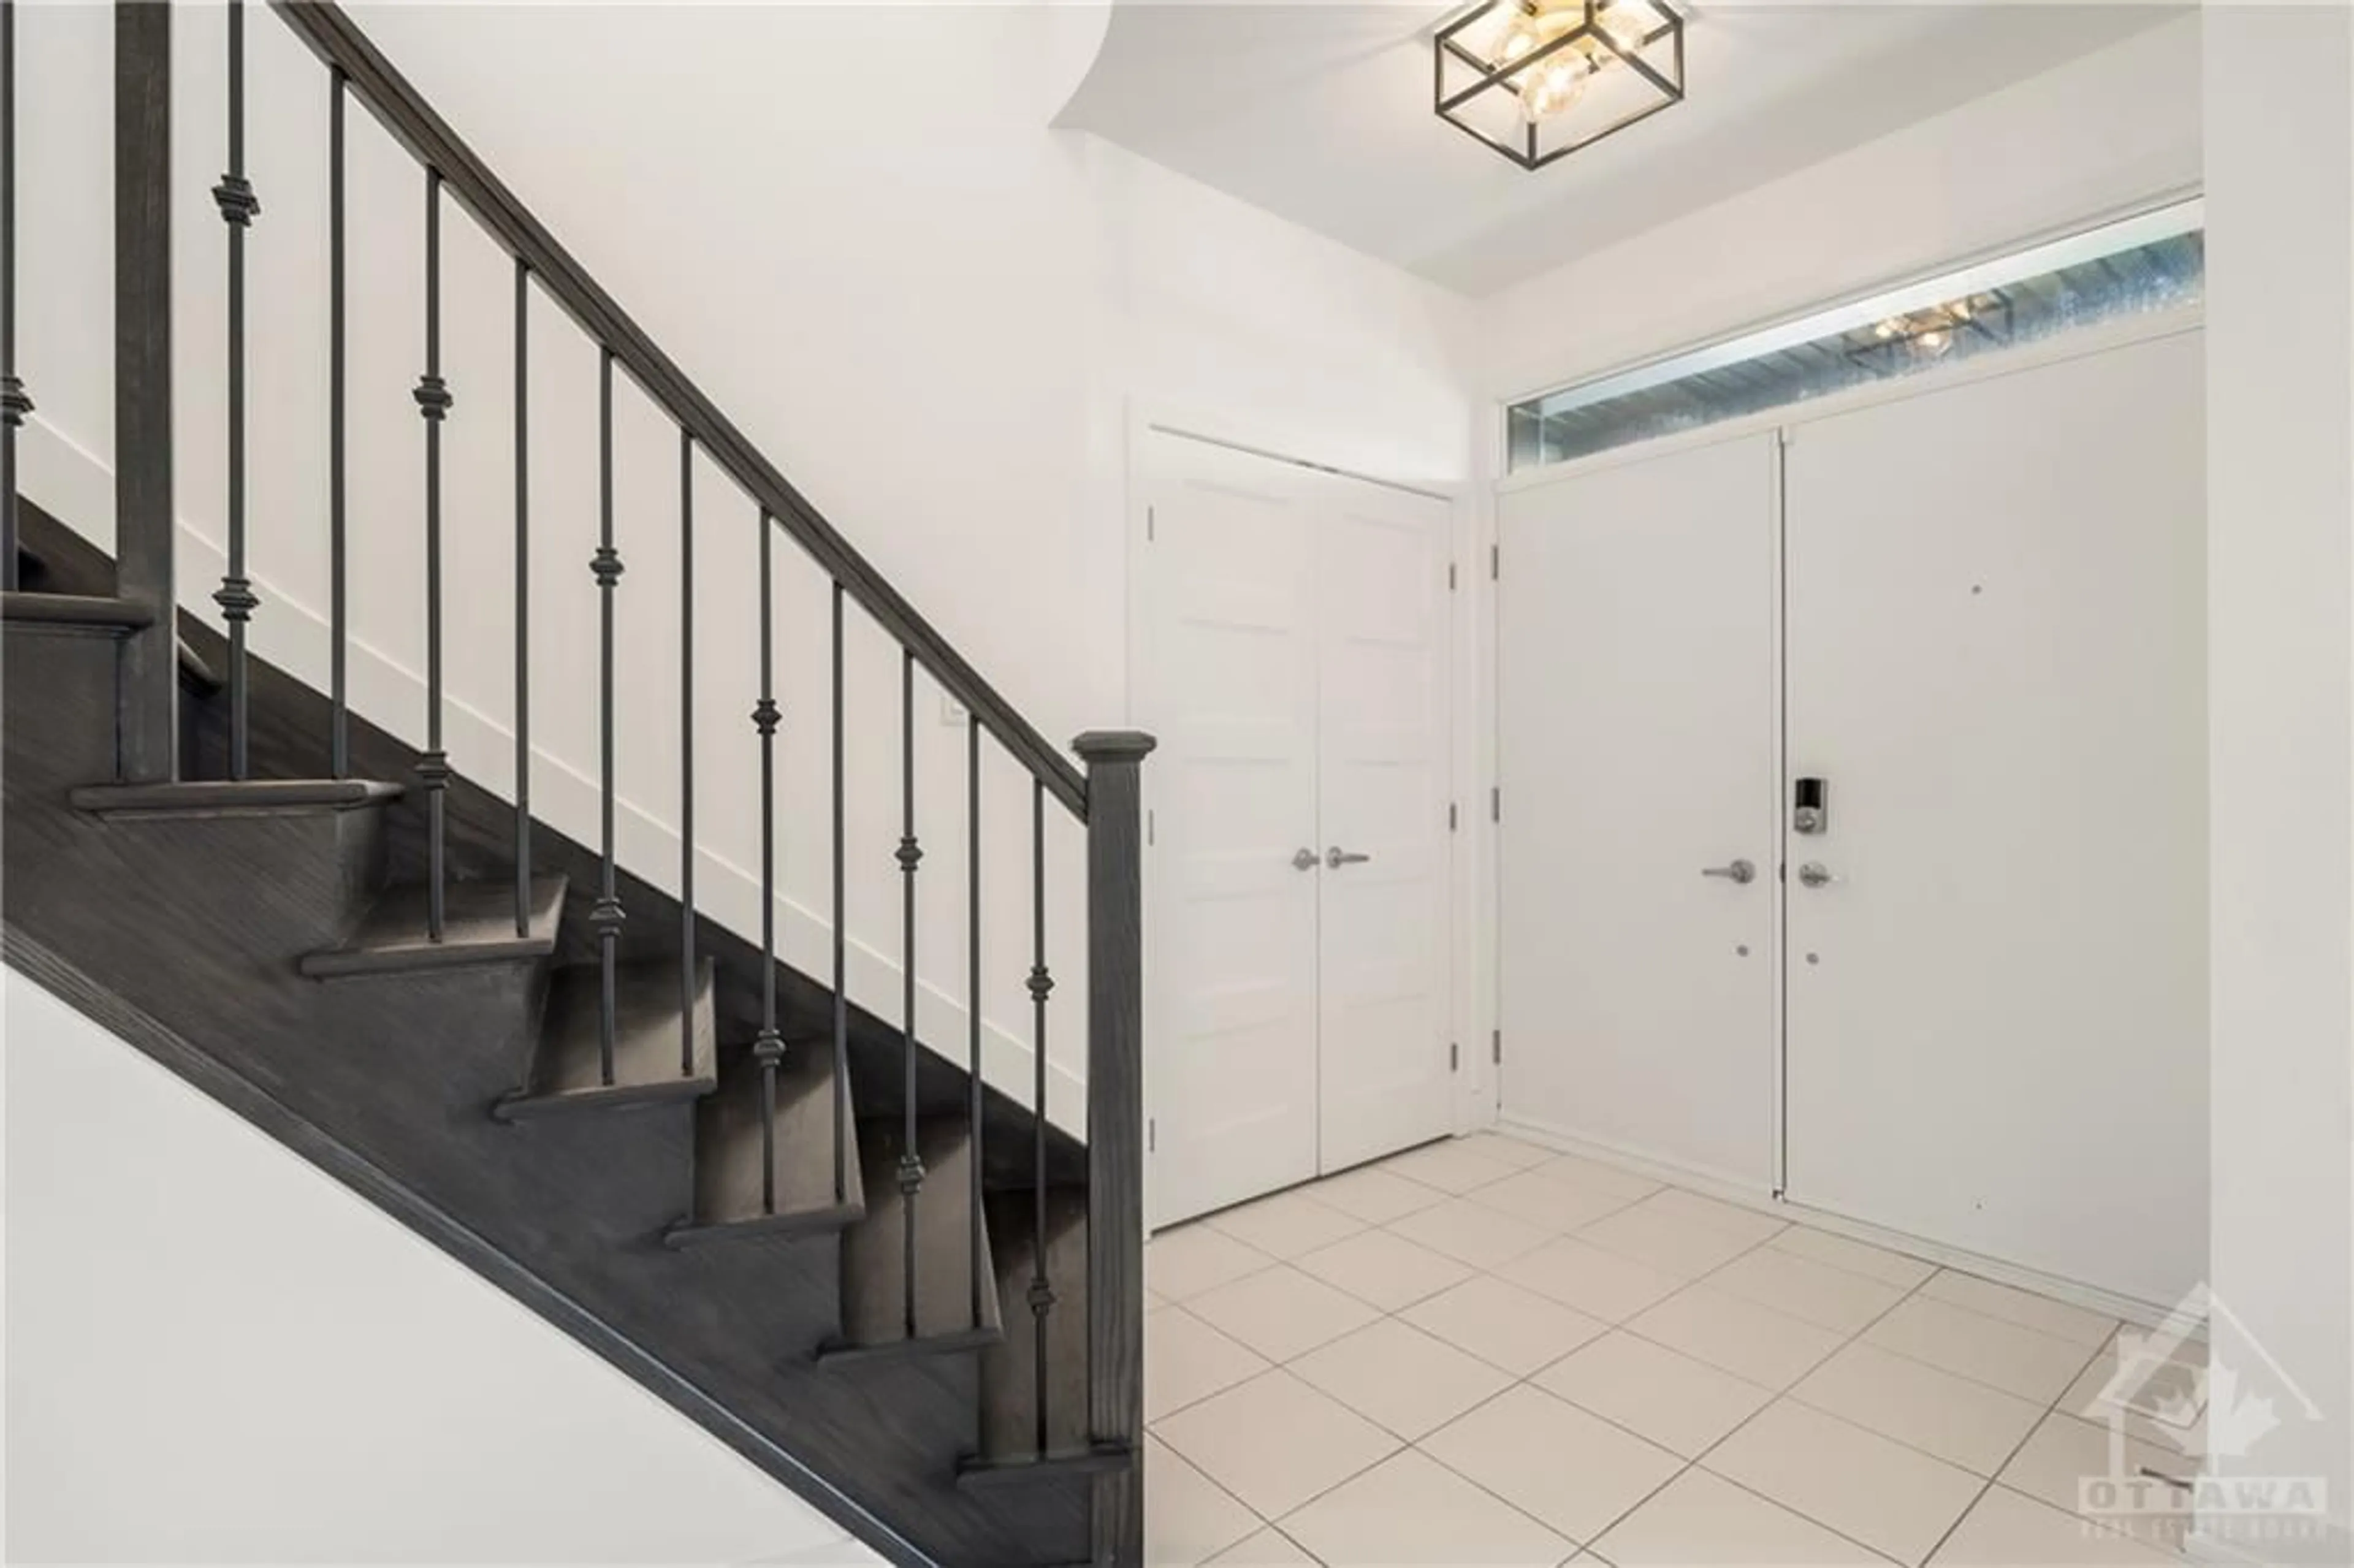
(607, 917)
(1041, 982)
(15, 403)
(237, 600)
(234, 196)
(605, 565)
(764, 714)
(434, 399)
(1041, 1298)
(768, 1048)
(433, 769)
(910, 856)
(911, 1174)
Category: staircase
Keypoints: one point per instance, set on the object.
(899, 1290)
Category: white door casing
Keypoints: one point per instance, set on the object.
(1635, 627)
(1292, 657)
(1998, 1011)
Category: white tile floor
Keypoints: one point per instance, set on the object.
(1484, 1352)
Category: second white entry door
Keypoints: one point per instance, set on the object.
(1635, 647)
(1292, 659)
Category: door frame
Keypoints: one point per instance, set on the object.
(1788, 422)
(1473, 1102)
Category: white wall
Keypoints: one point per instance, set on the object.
(217, 1353)
(932, 311)
(2280, 355)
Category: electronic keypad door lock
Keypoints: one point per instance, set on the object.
(1810, 807)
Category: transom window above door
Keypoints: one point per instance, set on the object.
(2152, 262)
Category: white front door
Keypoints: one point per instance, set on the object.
(1636, 738)
(1996, 1002)
(1291, 657)
(1382, 782)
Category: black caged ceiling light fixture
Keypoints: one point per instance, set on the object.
(1537, 80)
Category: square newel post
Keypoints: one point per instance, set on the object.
(146, 681)
(1116, 1131)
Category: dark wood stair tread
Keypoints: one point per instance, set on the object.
(224, 798)
(76, 610)
(873, 1258)
(1010, 1435)
(567, 1066)
(477, 926)
(104, 613)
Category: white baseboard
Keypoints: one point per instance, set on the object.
(75, 486)
(1715, 1184)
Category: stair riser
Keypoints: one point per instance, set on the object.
(60, 694)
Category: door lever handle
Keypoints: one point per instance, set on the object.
(1303, 860)
(1740, 871)
(1336, 857)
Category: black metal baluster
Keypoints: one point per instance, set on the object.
(239, 209)
(686, 755)
(339, 741)
(523, 595)
(768, 1045)
(433, 401)
(841, 942)
(14, 404)
(911, 856)
(1041, 985)
(972, 984)
(606, 567)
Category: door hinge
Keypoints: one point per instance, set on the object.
(1152, 523)
(1496, 1048)
(1451, 816)
(1451, 576)
(1454, 1057)
(1495, 563)
(1151, 828)
(1153, 1136)
(1495, 802)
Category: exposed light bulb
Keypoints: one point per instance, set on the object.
(1885, 330)
(1554, 86)
(1937, 340)
(1628, 22)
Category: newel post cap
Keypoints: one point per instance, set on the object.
(1099, 746)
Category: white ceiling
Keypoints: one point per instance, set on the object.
(1322, 113)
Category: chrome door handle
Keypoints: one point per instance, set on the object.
(1336, 857)
(1741, 871)
(1814, 873)
(1303, 860)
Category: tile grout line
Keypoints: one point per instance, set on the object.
(1477, 1272)
(2025, 1438)
(1699, 1461)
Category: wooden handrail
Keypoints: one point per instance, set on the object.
(338, 41)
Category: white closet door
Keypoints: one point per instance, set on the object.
(1634, 666)
(1998, 1006)
(1227, 678)
(1382, 791)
